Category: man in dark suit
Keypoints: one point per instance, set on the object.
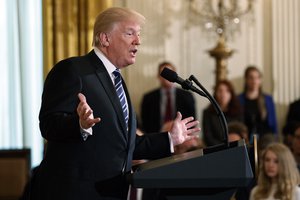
(89, 122)
(154, 107)
(292, 119)
(294, 112)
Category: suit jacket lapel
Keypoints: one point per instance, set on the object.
(108, 86)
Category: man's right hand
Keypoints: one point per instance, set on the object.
(85, 113)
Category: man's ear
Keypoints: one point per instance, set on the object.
(104, 40)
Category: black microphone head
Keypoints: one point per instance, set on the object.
(169, 75)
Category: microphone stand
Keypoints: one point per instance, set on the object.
(188, 85)
(219, 112)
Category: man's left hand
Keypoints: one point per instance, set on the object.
(183, 129)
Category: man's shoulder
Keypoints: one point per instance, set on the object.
(183, 92)
(74, 63)
(296, 103)
(79, 58)
(151, 93)
(70, 61)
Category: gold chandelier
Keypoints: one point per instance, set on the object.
(223, 18)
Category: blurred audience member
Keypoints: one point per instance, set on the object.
(293, 117)
(159, 106)
(278, 175)
(288, 134)
(259, 107)
(295, 144)
(225, 96)
(265, 141)
(294, 112)
(237, 131)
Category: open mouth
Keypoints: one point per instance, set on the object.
(133, 52)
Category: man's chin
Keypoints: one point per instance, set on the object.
(132, 61)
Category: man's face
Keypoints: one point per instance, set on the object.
(123, 43)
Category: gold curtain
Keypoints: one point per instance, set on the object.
(68, 28)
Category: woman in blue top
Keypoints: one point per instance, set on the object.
(259, 107)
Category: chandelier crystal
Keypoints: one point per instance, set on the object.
(220, 16)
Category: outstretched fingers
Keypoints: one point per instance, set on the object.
(193, 131)
(187, 120)
(85, 113)
(192, 127)
(191, 124)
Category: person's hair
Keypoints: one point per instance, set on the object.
(265, 140)
(288, 175)
(261, 100)
(238, 127)
(106, 20)
(165, 64)
(234, 106)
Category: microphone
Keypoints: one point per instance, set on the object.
(172, 76)
(188, 85)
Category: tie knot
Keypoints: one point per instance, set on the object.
(116, 73)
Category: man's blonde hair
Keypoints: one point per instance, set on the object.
(106, 20)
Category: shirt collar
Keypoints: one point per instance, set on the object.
(107, 64)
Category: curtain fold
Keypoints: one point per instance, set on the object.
(68, 28)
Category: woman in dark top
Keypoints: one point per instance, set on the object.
(226, 98)
(259, 107)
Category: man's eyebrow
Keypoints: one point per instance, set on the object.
(132, 29)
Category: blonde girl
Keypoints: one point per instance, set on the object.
(278, 175)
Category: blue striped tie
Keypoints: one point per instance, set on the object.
(121, 94)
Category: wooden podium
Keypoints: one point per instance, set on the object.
(210, 174)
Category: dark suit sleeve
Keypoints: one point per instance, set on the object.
(185, 103)
(145, 114)
(150, 112)
(152, 146)
(58, 117)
